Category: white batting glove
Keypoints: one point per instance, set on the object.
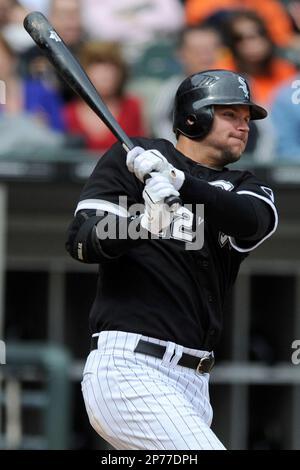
(157, 216)
(142, 162)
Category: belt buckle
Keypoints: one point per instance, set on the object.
(206, 363)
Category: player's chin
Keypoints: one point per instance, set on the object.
(236, 155)
(237, 150)
(232, 155)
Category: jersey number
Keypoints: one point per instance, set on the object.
(182, 226)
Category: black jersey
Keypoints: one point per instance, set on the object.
(159, 288)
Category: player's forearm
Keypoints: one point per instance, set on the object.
(240, 216)
(93, 239)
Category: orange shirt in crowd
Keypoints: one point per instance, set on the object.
(264, 86)
(271, 11)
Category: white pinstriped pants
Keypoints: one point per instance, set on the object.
(135, 401)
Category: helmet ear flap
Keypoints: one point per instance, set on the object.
(205, 121)
(195, 125)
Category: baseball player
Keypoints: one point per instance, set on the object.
(158, 311)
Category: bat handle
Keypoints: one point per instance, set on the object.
(173, 202)
(127, 146)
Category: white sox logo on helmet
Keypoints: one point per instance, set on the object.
(244, 87)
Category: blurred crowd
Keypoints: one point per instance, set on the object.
(136, 52)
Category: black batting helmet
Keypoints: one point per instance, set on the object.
(195, 97)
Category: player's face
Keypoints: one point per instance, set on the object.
(229, 135)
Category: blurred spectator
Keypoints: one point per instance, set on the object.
(285, 115)
(293, 7)
(199, 48)
(31, 96)
(24, 136)
(36, 5)
(108, 72)
(293, 51)
(270, 11)
(65, 15)
(5, 9)
(254, 54)
(134, 23)
(12, 14)
(28, 110)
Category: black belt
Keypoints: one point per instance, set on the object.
(202, 365)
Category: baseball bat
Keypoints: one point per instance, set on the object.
(59, 55)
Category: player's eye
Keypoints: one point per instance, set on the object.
(229, 114)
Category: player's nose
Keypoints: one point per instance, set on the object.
(243, 126)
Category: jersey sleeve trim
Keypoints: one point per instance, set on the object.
(270, 203)
(101, 204)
